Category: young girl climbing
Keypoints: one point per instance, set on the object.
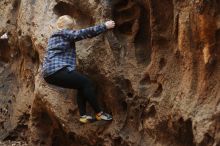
(59, 66)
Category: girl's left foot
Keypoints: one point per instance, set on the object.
(103, 116)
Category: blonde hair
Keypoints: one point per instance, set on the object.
(65, 22)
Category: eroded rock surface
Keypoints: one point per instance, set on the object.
(157, 73)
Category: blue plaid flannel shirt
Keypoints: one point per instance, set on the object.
(61, 48)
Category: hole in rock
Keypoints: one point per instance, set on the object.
(130, 94)
(42, 142)
(118, 141)
(126, 15)
(63, 8)
(217, 36)
(56, 141)
(185, 133)
(124, 105)
(127, 137)
(16, 4)
(4, 50)
(158, 91)
(120, 4)
(2, 125)
(35, 57)
(208, 140)
(145, 80)
(48, 129)
(28, 49)
(25, 117)
(162, 63)
(125, 28)
(125, 83)
(45, 118)
(19, 32)
(131, 118)
(18, 132)
(9, 101)
(143, 37)
(164, 19)
(125, 86)
(71, 136)
(152, 111)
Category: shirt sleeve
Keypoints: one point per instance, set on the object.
(77, 35)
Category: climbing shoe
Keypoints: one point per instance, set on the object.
(103, 116)
(86, 119)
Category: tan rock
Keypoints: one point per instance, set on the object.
(157, 73)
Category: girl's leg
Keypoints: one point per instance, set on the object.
(75, 80)
(88, 92)
(81, 101)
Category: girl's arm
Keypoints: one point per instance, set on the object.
(77, 35)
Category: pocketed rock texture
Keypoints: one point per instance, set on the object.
(157, 73)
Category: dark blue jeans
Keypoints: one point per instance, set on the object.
(75, 80)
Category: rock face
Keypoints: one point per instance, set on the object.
(157, 73)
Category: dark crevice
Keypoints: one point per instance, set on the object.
(124, 105)
(133, 23)
(63, 8)
(158, 91)
(119, 142)
(145, 80)
(151, 112)
(26, 45)
(48, 129)
(19, 32)
(126, 15)
(4, 50)
(217, 34)
(185, 133)
(125, 18)
(143, 38)
(207, 140)
(45, 118)
(16, 4)
(130, 94)
(126, 28)
(59, 138)
(121, 4)
(28, 49)
(126, 87)
(181, 132)
(8, 21)
(35, 57)
(162, 63)
(21, 131)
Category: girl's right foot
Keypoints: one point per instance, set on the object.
(103, 116)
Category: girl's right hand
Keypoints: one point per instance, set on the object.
(110, 24)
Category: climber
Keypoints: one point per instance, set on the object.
(59, 66)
